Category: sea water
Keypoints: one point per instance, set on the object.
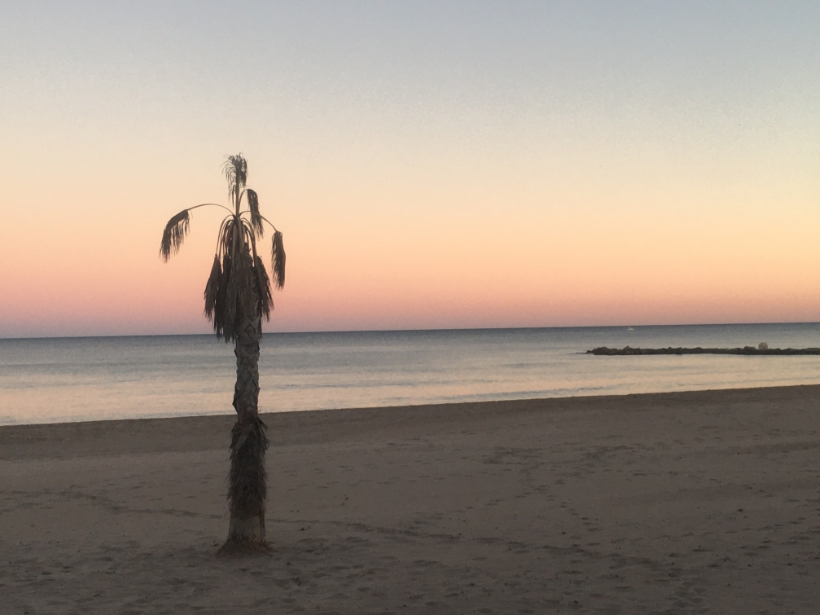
(47, 380)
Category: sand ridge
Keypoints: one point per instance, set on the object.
(681, 502)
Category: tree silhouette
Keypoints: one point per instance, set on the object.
(237, 296)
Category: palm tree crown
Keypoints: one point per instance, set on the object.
(238, 284)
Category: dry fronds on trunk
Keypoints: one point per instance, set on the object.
(240, 293)
(248, 488)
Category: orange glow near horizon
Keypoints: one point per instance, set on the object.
(362, 269)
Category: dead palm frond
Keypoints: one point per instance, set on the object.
(256, 217)
(221, 304)
(263, 291)
(278, 260)
(212, 288)
(174, 234)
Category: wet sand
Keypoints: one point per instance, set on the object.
(679, 502)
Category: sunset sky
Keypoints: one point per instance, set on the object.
(431, 164)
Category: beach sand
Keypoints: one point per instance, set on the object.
(679, 502)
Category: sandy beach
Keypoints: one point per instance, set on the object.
(679, 502)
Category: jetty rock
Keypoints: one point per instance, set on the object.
(762, 349)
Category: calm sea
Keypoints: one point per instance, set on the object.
(48, 380)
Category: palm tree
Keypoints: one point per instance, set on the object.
(237, 296)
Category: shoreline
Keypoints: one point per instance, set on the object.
(410, 407)
(700, 501)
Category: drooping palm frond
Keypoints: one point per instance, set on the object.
(256, 217)
(221, 303)
(225, 238)
(237, 297)
(278, 260)
(212, 287)
(222, 320)
(174, 234)
(249, 237)
(263, 290)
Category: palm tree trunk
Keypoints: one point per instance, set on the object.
(247, 477)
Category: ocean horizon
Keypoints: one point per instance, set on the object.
(85, 378)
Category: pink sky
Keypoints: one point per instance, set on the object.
(545, 165)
